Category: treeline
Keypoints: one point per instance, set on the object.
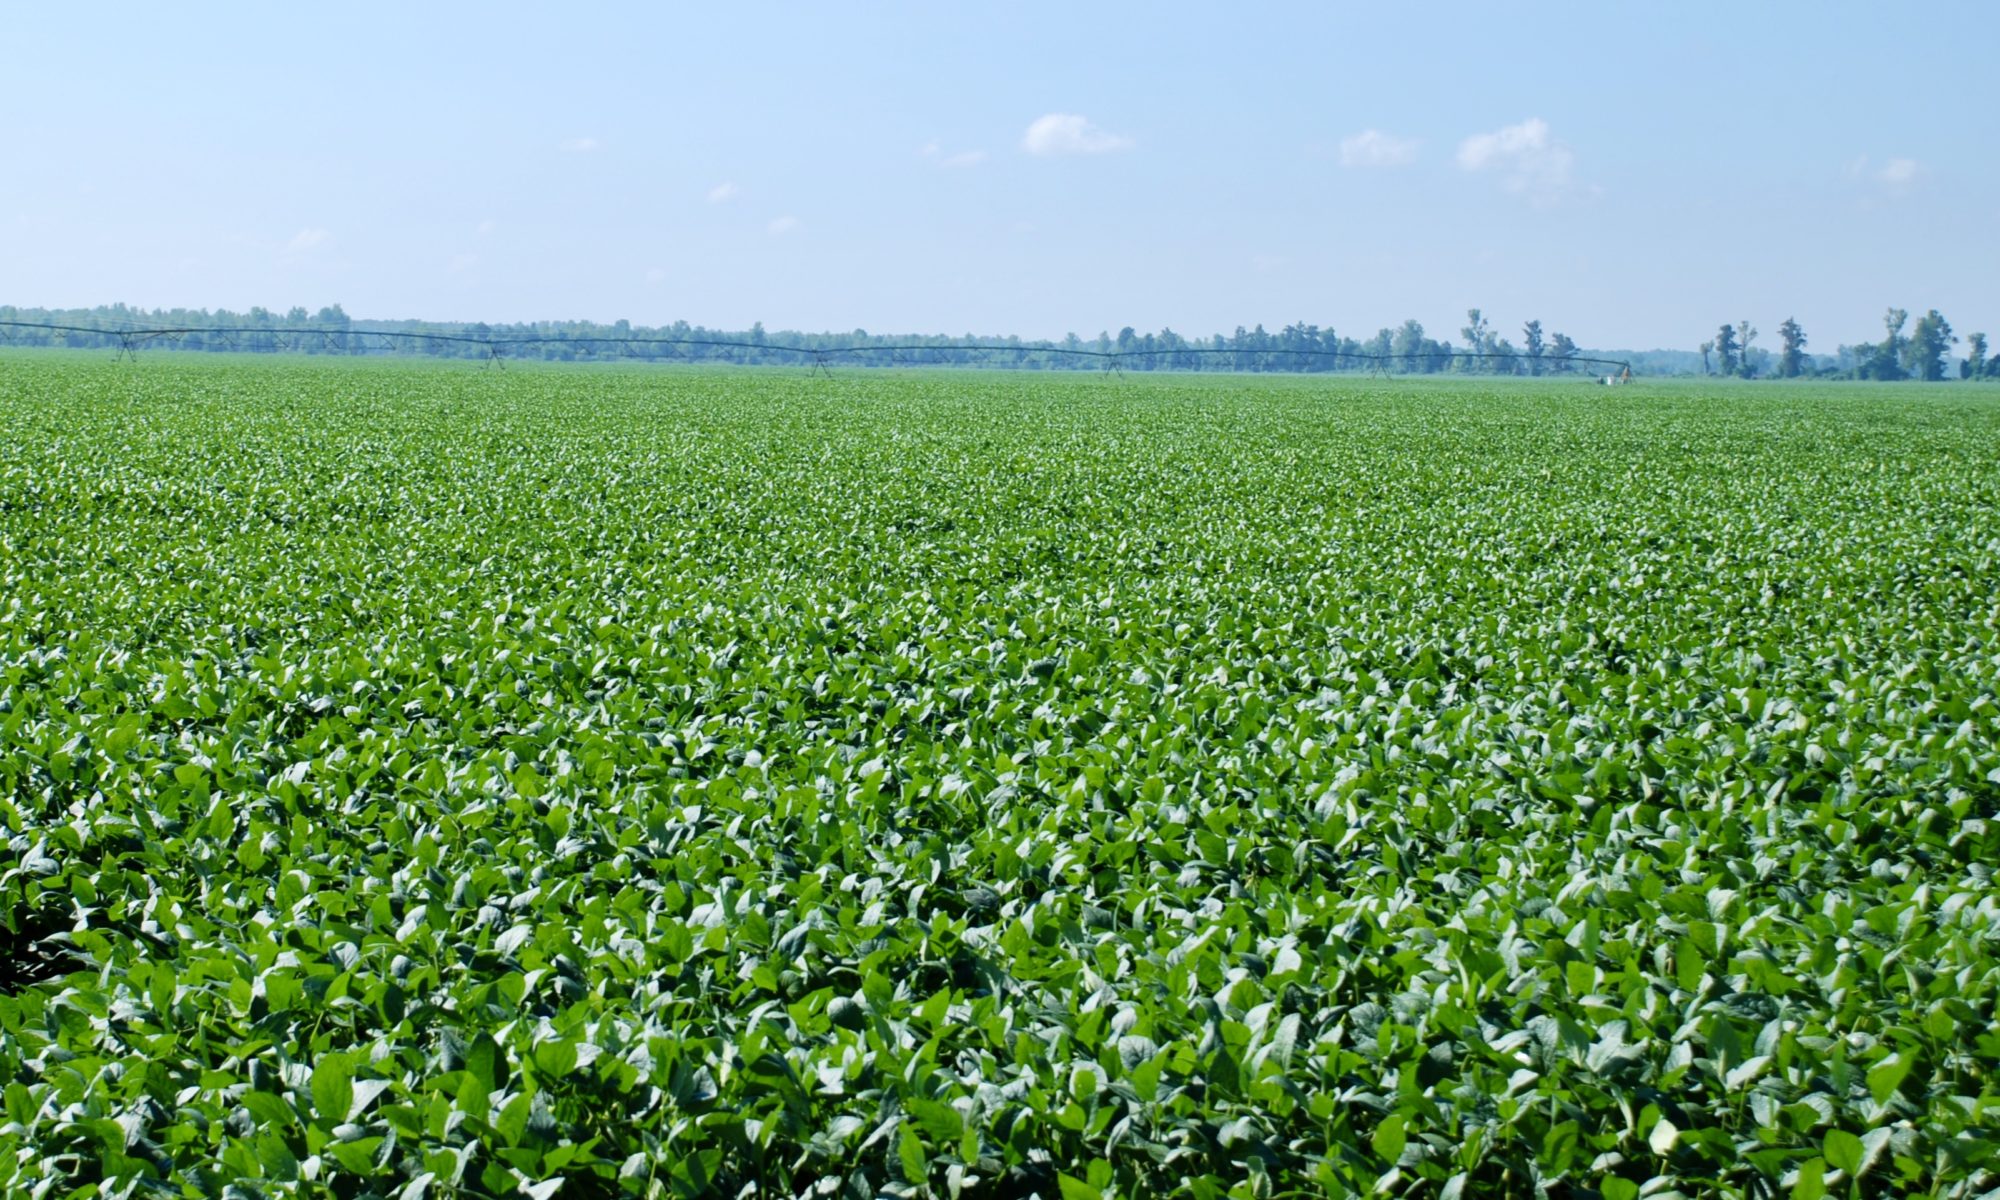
(1296, 348)
(1924, 353)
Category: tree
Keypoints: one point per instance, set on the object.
(1561, 349)
(1745, 334)
(1725, 348)
(1930, 342)
(1478, 334)
(1408, 347)
(1791, 363)
(1707, 348)
(1531, 337)
(1974, 366)
(1885, 358)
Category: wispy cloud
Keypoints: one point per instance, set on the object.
(957, 159)
(305, 241)
(723, 193)
(487, 227)
(1894, 177)
(1373, 148)
(1068, 133)
(1527, 158)
(1898, 173)
(656, 276)
(781, 226)
(582, 145)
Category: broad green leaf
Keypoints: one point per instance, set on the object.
(1842, 1150)
(1388, 1139)
(332, 1090)
(1811, 1183)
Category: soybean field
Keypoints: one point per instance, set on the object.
(424, 781)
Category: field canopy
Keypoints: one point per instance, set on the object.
(420, 781)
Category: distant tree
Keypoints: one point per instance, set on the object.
(1382, 345)
(1791, 363)
(1974, 366)
(1408, 346)
(1884, 359)
(1477, 333)
(1745, 334)
(1531, 339)
(1707, 348)
(1725, 349)
(1930, 343)
(1561, 349)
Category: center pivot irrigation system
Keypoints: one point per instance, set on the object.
(497, 348)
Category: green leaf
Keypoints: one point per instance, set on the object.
(512, 1122)
(941, 1122)
(1811, 1183)
(1389, 1139)
(910, 1149)
(357, 1156)
(1073, 1188)
(1559, 1146)
(474, 1098)
(487, 1062)
(269, 1109)
(332, 1090)
(1885, 1077)
(1842, 1149)
(556, 1059)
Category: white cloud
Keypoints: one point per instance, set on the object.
(1527, 159)
(305, 240)
(1373, 148)
(783, 225)
(656, 276)
(582, 145)
(962, 158)
(486, 227)
(723, 193)
(1894, 177)
(1898, 172)
(1067, 133)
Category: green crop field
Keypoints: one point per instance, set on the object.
(426, 781)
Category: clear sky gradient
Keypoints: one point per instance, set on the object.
(1630, 174)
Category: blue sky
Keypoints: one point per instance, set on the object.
(1630, 174)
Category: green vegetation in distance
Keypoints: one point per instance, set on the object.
(422, 782)
(1298, 348)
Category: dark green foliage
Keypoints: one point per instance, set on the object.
(1930, 343)
(1727, 349)
(1792, 359)
(425, 781)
